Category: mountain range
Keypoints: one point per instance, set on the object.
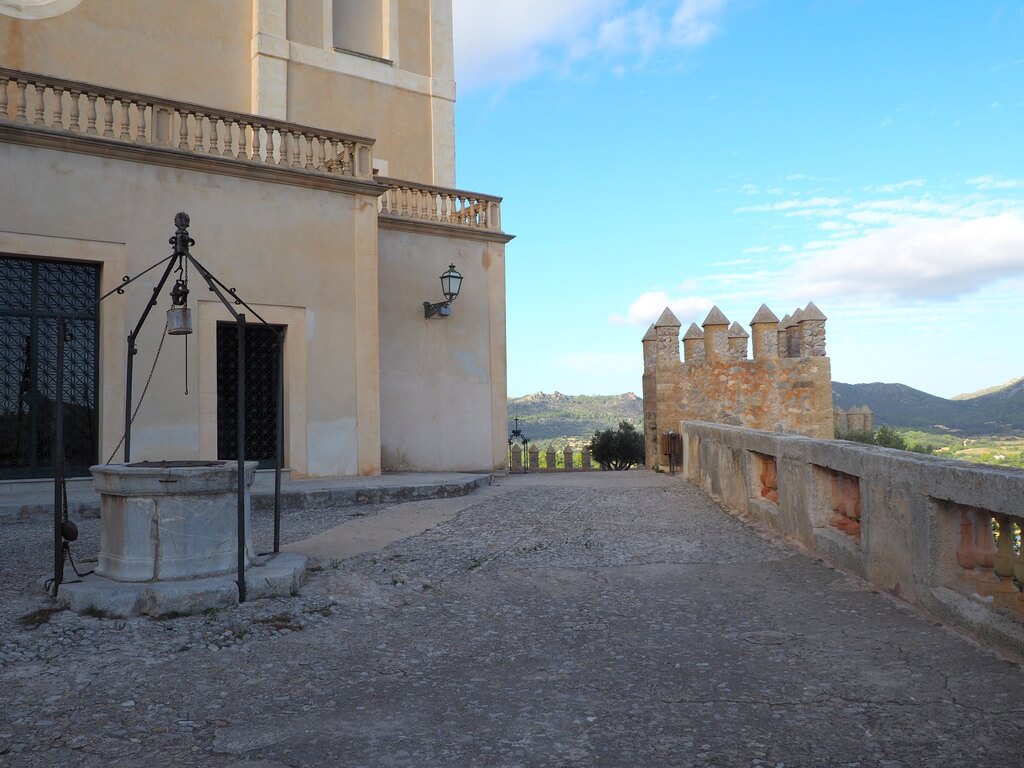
(990, 411)
(993, 410)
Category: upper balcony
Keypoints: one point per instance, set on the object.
(48, 111)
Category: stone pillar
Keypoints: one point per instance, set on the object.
(693, 344)
(585, 457)
(567, 455)
(550, 457)
(737, 340)
(783, 337)
(534, 457)
(716, 335)
(516, 464)
(812, 332)
(650, 389)
(869, 418)
(765, 327)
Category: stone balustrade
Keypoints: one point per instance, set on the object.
(550, 459)
(940, 533)
(419, 202)
(108, 115)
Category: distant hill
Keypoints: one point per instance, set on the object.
(546, 416)
(988, 390)
(993, 411)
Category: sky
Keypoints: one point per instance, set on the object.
(862, 154)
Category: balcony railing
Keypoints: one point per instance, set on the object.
(66, 107)
(107, 114)
(421, 202)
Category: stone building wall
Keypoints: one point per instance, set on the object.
(785, 387)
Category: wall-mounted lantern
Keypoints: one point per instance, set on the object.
(451, 284)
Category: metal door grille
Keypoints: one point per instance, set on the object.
(261, 382)
(33, 295)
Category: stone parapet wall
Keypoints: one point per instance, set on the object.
(939, 533)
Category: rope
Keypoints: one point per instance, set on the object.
(142, 397)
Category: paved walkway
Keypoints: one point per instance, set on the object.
(607, 619)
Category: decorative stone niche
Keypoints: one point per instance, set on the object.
(765, 478)
(841, 493)
(988, 554)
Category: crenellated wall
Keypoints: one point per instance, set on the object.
(785, 387)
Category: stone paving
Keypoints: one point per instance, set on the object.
(601, 619)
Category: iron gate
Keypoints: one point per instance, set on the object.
(261, 382)
(35, 293)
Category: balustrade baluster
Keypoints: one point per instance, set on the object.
(199, 146)
(986, 548)
(347, 165)
(214, 138)
(966, 553)
(405, 201)
(228, 150)
(310, 152)
(3, 98)
(415, 204)
(329, 160)
(1003, 561)
(108, 117)
(57, 117)
(75, 124)
(140, 129)
(243, 153)
(256, 156)
(22, 85)
(90, 113)
(126, 119)
(40, 103)
(269, 158)
(296, 138)
(183, 128)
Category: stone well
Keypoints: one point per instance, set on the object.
(170, 520)
(169, 543)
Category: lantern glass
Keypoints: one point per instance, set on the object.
(451, 283)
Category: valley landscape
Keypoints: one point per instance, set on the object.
(983, 427)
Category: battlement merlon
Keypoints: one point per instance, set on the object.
(765, 333)
(667, 330)
(650, 342)
(716, 335)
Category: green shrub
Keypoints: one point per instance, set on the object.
(618, 449)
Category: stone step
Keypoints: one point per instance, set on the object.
(83, 502)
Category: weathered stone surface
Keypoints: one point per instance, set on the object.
(276, 576)
(600, 619)
(170, 523)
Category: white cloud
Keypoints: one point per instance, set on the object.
(897, 187)
(921, 259)
(696, 21)
(990, 181)
(504, 41)
(649, 306)
(789, 205)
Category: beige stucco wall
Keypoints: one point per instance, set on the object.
(297, 252)
(269, 57)
(189, 50)
(443, 380)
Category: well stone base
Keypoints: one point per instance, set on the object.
(269, 576)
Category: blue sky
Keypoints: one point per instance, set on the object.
(863, 154)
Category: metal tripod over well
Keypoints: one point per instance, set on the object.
(179, 323)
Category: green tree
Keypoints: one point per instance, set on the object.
(618, 449)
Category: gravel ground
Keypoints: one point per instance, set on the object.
(588, 620)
